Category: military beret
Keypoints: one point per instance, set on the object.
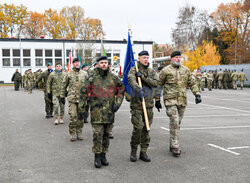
(84, 65)
(58, 63)
(143, 53)
(102, 58)
(175, 53)
(49, 64)
(75, 60)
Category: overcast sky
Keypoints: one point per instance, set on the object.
(150, 20)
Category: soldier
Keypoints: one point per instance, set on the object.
(225, 79)
(54, 85)
(85, 67)
(234, 77)
(203, 80)
(220, 78)
(210, 79)
(72, 83)
(175, 78)
(150, 79)
(198, 77)
(25, 81)
(242, 77)
(48, 102)
(215, 81)
(106, 93)
(30, 81)
(17, 78)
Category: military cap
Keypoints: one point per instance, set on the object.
(175, 53)
(143, 53)
(49, 64)
(75, 60)
(84, 65)
(102, 58)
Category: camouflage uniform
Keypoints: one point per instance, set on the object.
(150, 79)
(234, 77)
(215, 81)
(25, 81)
(220, 79)
(48, 103)
(72, 83)
(242, 77)
(30, 81)
(17, 78)
(104, 89)
(210, 79)
(175, 81)
(54, 85)
(203, 81)
(225, 79)
(198, 77)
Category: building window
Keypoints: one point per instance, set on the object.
(6, 52)
(39, 62)
(48, 60)
(16, 61)
(58, 53)
(26, 62)
(39, 57)
(26, 53)
(16, 53)
(6, 61)
(58, 60)
(48, 53)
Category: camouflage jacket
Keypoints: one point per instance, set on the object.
(149, 80)
(175, 81)
(16, 77)
(44, 76)
(226, 76)
(220, 75)
(31, 77)
(210, 76)
(242, 76)
(54, 82)
(104, 90)
(72, 83)
(234, 76)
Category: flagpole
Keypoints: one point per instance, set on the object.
(139, 82)
(101, 45)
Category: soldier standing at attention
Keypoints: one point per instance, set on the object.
(210, 78)
(242, 77)
(54, 85)
(150, 79)
(48, 101)
(106, 93)
(72, 83)
(234, 77)
(17, 78)
(175, 78)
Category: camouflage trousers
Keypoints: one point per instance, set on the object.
(234, 85)
(241, 84)
(220, 84)
(86, 110)
(202, 85)
(209, 84)
(140, 135)
(17, 84)
(101, 138)
(75, 125)
(175, 114)
(48, 104)
(225, 84)
(56, 105)
(30, 85)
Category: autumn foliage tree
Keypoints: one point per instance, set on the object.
(92, 29)
(34, 25)
(206, 54)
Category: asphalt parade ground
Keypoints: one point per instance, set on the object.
(215, 143)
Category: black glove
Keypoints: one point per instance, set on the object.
(158, 105)
(50, 96)
(140, 93)
(197, 98)
(115, 108)
(66, 94)
(81, 115)
(138, 74)
(62, 100)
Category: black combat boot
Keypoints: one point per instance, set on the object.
(47, 116)
(85, 120)
(133, 157)
(144, 157)
(104, 161)
(175, 151)
(98, 161)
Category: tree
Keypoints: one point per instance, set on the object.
(92, 29)
(206, 54)
(34, 26)
(189, 27)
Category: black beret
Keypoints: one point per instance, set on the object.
(84, 65)
(175, 53)
(143, 53)
(75, 60)
(102, 58)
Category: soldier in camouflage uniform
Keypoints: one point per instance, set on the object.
(72, 83)
(84, 67)
(215, 81)
(225, 79)
(234, 78)
(54, 85)
(219, 78)
(203, 80)
(106, 93)
(25, 81)
(198, 77)
(175, 78)
(17, 78)
(242, 77)
(150, 79)
(30, 81)
(210, 78)
(48, 102)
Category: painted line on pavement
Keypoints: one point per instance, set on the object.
(208, 116)
(243, 147)
(209, 128)
(245, 101)
(165, 128)
(223, 149)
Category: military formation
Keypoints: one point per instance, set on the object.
(219, 79)
(100, 92)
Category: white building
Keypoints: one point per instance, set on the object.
(36, 53)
